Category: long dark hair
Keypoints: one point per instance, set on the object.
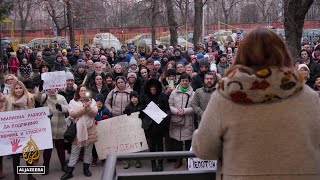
(76, 94)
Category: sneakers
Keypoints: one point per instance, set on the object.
(126, 165)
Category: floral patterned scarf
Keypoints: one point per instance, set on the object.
(264, 85)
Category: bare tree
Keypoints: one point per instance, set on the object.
(227, 6)
(23, 7)
(70, 22)
(56, 11)
(294, 15)
(198, 18)
(173, 26)
(249, 13)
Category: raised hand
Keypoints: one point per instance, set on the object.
(15, 144)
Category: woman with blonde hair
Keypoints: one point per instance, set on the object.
(18, 99)
(269, 141)
(9, 79)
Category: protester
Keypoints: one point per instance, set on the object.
(99, 86)
(118, 98)
(18, 99)
(181, 123)
(58, 107)
(155, 132)
(9, 79)
(134, 106)
(263, 83)
(82, 109)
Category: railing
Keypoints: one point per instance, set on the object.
(110, 173)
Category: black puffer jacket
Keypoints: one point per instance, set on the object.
(161, 99)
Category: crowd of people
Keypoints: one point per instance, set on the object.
(121, 82)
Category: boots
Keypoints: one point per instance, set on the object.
(68, 174)
(86, 171)
(153, 165)
(160, 165)
(46, 160)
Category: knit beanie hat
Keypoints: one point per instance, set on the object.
(171, 72)
(134, 94)
(204, 62)
(80, 64)
(132, 61)
(303, 66)
(200, 56)
(156, 62)
(99, 97)
(132, 74)
(69, 76)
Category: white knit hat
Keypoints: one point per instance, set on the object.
(69, 76)
(303, 66)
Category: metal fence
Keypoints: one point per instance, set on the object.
(110, 172)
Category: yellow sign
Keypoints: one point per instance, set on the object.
(31, 152)
(6, 20)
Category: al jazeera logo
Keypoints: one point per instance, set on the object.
(31, 154)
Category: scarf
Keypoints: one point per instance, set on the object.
(99, 87)
(260, 86)
(183, 90)
(83, 122)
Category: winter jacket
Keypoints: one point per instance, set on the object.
(117, 101)
(254, 130)
(79, 78)
(200, 100)
(57, 66)
(152, 129)
(21, 55)
(69, 93)
(132, 108)
(314, 71)
(181, 127)
(13, 65)
(49, 58)
(25, 70)
(103, 113)
(58, 123)
(104, 90)
(75, 114)
(222, 68)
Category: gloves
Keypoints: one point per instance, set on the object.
(50, 116)
(41, 86)
(58, 107)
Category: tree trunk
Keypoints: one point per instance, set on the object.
(294, 15)
(70, 24)
(23, 30)
(173, 26)
(197, 23)
(154, 20)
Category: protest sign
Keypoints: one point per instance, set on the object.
(52, 80)
(18, 127)
(120, 134)
(196, 164)
(154, 112)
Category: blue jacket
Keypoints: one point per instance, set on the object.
(129, 55)
(103, 112)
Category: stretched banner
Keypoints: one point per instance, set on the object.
(53, 80)
(19, 128)
(121, 134)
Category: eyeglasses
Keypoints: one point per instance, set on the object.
(9, 79)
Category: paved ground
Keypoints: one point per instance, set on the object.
(56, 173)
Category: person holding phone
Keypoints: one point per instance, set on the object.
(82, 109)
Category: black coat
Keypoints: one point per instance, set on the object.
(151, 128)
(132, 109)
(68, 94)
(104, 91)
